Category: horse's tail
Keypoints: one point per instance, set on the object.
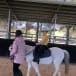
(66, 61)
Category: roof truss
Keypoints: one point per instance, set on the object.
(38, 12)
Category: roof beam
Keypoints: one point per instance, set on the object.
(33, 4)
(55, 14)
(38, 11)
(66, 15)
(7, 2)
(43, 10)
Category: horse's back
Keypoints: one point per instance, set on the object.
(56, 51)
(57, 54)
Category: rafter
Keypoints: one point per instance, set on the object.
(38, 12)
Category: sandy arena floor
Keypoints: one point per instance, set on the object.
(46, 70)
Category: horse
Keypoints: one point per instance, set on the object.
(56, 58)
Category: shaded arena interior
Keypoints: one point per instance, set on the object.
(5, 43)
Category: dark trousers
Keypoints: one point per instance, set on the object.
(16, 70)
(39, 50)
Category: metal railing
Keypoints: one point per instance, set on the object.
(32, 37)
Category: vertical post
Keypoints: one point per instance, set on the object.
(53, 33)
(9, 25)
(50, 33)
(54, 38)
(67, 35)
(37, 31)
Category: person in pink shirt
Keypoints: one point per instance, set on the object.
(17, 53)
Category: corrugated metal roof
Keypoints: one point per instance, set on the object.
(38, 12)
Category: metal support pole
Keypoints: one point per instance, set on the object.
(9, 24)
(50, 32)
(53, 33)
(37, 31)
(67, 35)
(54, 28)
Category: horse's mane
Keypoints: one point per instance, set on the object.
(29, 49)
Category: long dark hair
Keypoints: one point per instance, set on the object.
(18, 33)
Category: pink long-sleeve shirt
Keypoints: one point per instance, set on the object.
(18, 50)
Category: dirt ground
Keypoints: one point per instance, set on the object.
(46, 70)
